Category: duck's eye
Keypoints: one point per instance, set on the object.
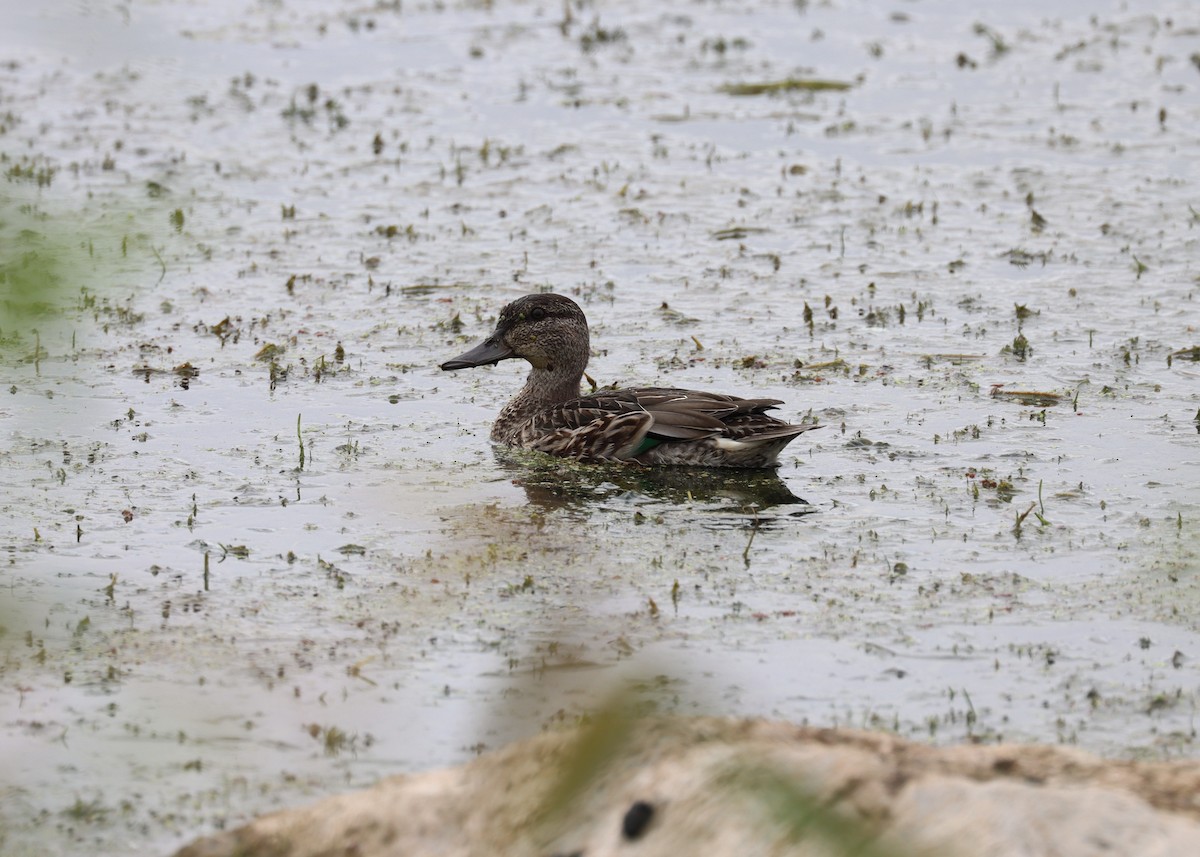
(537, 313)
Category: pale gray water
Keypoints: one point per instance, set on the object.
(411, 592)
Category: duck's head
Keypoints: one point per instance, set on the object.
(550, 331)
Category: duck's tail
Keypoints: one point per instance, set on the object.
(762, 448)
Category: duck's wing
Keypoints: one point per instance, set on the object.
(594, 435)
(678, 414)
(618, 424)
(738, 432)
(706, 414)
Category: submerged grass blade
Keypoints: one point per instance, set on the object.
(790, 84)
(300, 440)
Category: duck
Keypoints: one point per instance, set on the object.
(634, 425)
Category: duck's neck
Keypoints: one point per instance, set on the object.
(544, 388)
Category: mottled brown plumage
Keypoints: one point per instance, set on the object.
(647, 425)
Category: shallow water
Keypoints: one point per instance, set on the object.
(200, 626)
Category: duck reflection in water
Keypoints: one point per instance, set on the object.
(553, 484)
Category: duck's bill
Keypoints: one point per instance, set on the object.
(485, 353)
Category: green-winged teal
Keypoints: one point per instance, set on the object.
(646, 425)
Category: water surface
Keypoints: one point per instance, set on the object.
(270, 223)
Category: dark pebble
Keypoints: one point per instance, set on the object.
(637, 819)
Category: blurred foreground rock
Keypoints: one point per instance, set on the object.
(726, 787)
